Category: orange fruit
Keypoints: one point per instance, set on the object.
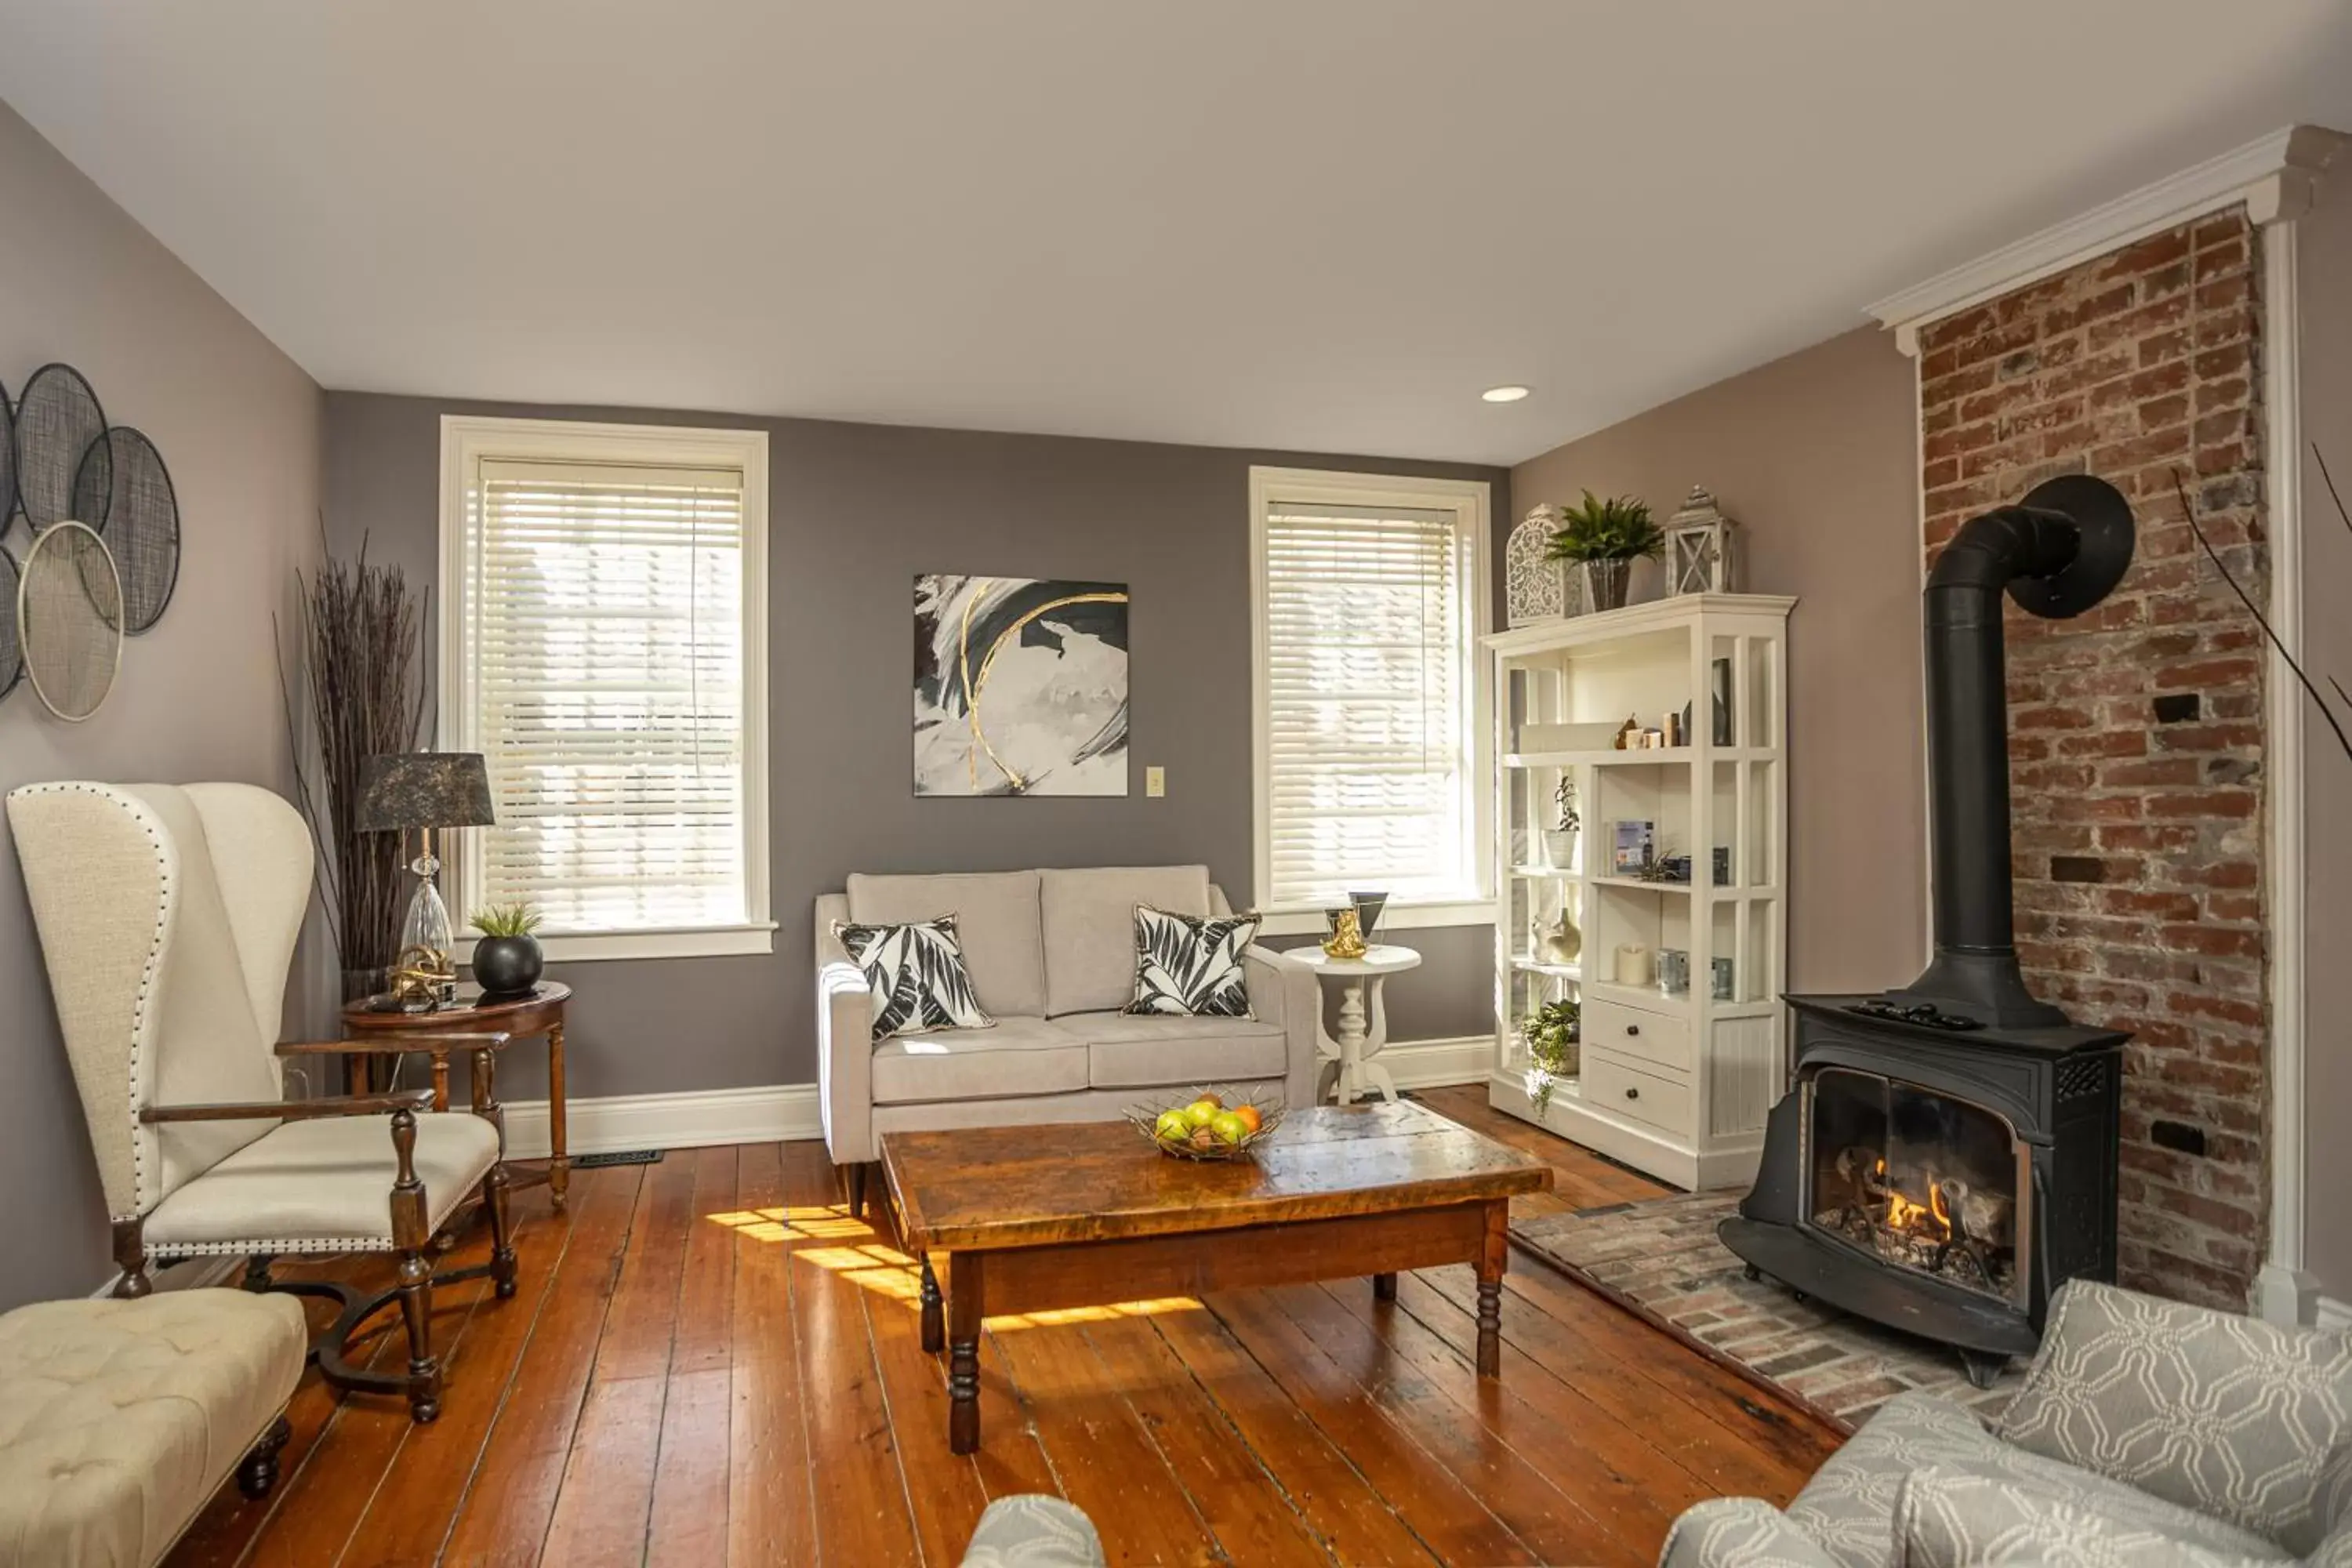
(1249, 1117)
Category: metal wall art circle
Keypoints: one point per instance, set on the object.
(59, 422)
(124, 481)
(69, 619)
(12, 653)
(7, 465)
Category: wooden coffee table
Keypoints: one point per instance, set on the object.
(1030, 1219)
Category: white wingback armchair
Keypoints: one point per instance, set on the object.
(168, 916)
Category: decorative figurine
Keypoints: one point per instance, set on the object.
(1347, 938)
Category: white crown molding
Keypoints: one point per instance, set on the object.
(2273, 177)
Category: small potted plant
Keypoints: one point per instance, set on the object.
(1560, 843)
(507, 959)
(1553, 1053)
(1604, 537)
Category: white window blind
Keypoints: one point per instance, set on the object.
(1366, 696)
(604, 640)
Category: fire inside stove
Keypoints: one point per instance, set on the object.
(1920, 1180)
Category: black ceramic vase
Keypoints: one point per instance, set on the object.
(507, 965)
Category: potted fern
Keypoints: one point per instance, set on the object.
(1604, 537)
(1553, 1052)
(507, 959)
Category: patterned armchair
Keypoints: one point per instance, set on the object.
(168, 915)
(2147, 1432)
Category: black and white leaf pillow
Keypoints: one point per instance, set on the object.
(1191, 966)
(917, 975)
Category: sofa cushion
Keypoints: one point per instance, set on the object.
(1950, 1518)
(2217, 1412)
(1089, 928)
(1018, 1057)
(996, 916)
(1849, 1505)
(118, 1419)
(916, 975)
(1143, 1050)
(1187, 966)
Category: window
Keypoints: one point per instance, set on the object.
(603, 647)
(1368, 594)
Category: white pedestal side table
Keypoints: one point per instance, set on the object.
(1363, 1017)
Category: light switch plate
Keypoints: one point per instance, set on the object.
(1155, 782)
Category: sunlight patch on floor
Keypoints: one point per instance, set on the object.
(851, 1251)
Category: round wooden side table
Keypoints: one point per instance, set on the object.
(1363, 1017)
(540, 1013)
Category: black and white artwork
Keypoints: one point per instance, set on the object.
(1020, 685)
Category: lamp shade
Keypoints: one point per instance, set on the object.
(402, 790)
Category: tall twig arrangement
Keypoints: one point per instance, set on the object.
(362, 651)
(2180, 488)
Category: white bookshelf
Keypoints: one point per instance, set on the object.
(1674, 1084)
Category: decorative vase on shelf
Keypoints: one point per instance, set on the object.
(1559, 849)
(1560, 943)
(1605, 582)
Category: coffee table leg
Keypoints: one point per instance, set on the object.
(963, 1353)
(1492, 1251)
(935, 1333)
(1383, 1286)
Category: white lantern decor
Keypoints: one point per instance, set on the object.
(1701, 548)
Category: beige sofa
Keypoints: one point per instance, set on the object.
(1052, 958)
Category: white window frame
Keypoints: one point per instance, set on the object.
(1471, 501)
(465, 442)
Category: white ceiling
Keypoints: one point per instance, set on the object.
(1312, 223)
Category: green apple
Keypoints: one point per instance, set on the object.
(1229, 1128)
(1200, 1113)
(1172, 1127)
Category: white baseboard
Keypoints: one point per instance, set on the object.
(770, 1113)
(782, 1112)
(1434, 1064)
(2335, 1316)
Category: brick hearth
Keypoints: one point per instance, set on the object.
(2135, 756)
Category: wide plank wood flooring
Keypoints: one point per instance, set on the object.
(709, 1363)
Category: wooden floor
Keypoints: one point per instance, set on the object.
(709, 1362)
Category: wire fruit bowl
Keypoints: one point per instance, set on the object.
(1204, 1143)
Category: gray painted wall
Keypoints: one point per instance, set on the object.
(855, 513)
(1814, 454)
(197, 696)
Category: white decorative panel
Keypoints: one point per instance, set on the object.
(1742, 1075)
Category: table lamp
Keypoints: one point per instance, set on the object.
(424, 790)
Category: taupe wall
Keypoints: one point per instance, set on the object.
(855, 513)
(197, 696)
(2324, 268)
(1814, 455)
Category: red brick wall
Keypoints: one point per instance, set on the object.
(2136, 750)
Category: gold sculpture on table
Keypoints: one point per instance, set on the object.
(1347, 938)
(419, 977)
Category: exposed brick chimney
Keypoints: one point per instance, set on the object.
(2137, 752)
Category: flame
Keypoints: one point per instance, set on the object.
(1903, 1214)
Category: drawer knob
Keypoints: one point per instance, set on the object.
(1633, 1094)
(1633, 1029)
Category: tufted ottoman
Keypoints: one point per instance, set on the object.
(118, 1419)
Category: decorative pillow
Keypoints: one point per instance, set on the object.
(917, 975)
(1192, 965)
(1949, 1518)
(2214, 1410)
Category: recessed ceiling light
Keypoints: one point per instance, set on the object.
(1504, 393)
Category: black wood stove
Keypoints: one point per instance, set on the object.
(1947, 1155)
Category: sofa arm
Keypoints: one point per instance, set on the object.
(1282, 991)
(845, 1062)
(2214, 1410)
(1740, 1533)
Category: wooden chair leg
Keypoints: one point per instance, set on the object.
(258, 1472)
(417, 1312)
(130, 1256)
(503, 1253)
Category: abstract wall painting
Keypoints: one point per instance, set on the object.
(1020, 685)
